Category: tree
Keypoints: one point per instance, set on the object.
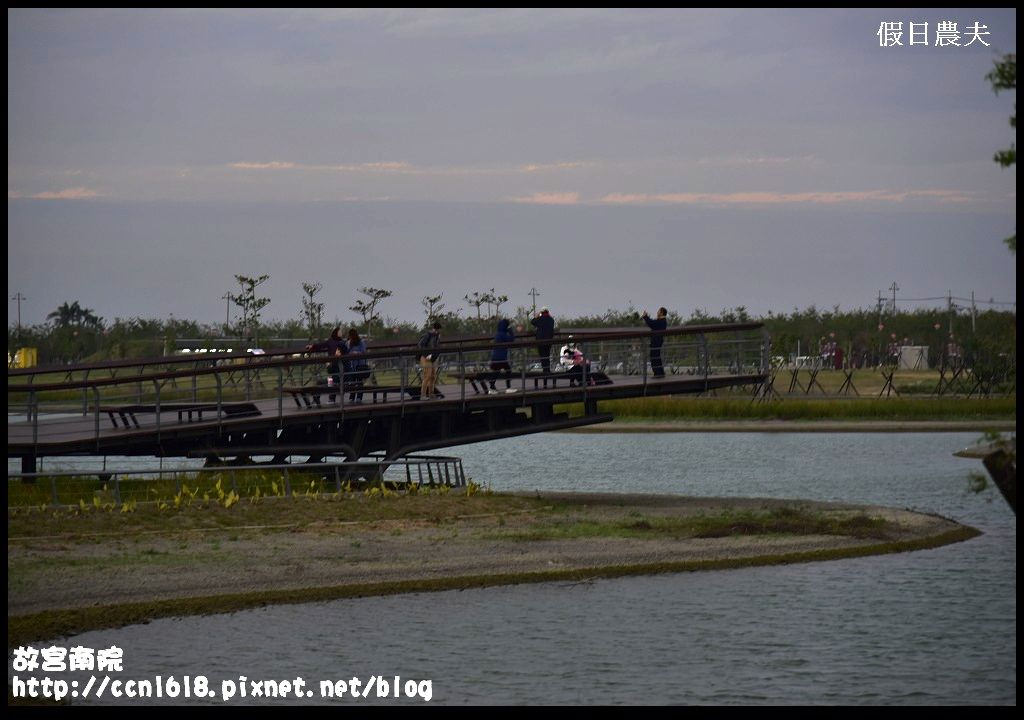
(75, 315)
(312, 311)
(1004, 77)
(249, 323)
(432, 306)
(475, 299)
(498, 301)
(367, 307)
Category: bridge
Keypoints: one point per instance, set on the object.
(228, 408)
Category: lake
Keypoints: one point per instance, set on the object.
(929, 627)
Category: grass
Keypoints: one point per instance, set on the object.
(741, 408)
(777, 521)
(266, 515)
(182, 488)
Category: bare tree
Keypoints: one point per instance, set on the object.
(367, 307)
(475, 299)
(250, 305)
(312, 311)
(499, 300)
(432, 306)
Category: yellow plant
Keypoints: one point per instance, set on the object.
(230, 499)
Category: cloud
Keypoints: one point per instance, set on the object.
(404, 168)
(540, 167)
(76, 193)
(776, 198)
(755, 160)
(264, 166)
(570, 198)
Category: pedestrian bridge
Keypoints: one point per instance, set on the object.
(233, 407)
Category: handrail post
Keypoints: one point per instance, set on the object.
(195, 383)
(248, 379)
(462, 377)
(403, 377)
(586, 380)
(96, 415)
(280, 396)
(706, 359)
(523, 360)
(33, 414)
(643, 365)
(85, 394)
(156, 388)
(220, 398)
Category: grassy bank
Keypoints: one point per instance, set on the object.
(62, 623)
(741, 408)
(72, 571)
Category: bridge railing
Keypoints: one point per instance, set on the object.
(92, 488)
(90, 402)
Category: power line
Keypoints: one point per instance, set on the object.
(954, 297)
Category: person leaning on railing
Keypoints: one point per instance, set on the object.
(335, 348)
(430, 340)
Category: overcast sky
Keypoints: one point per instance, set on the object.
(688, 158)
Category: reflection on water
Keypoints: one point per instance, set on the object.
(934, 627)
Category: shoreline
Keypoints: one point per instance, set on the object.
(64, 586)
(786, 426)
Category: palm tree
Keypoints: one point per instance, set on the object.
(65, 314)
(74, 314)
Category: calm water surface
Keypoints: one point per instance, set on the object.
(929, 627)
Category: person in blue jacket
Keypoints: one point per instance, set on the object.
(659, 323)
(499, 355)
(356, 368)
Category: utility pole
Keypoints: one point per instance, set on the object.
(949, 305)
(227, 310)
(533, 293)
(894, 287)
(974, 314)
(19, 297)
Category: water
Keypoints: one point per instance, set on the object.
(928, 627)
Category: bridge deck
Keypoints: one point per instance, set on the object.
(79, 434)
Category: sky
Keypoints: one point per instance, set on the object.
(697, 159)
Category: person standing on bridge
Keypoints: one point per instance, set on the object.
(545, 325)
(658, 324)
(499, 355)
(356, 366)
(430, 340)
(334, 346)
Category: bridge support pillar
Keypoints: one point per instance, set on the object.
(541, 413)
(395, 435)
(28, 464)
